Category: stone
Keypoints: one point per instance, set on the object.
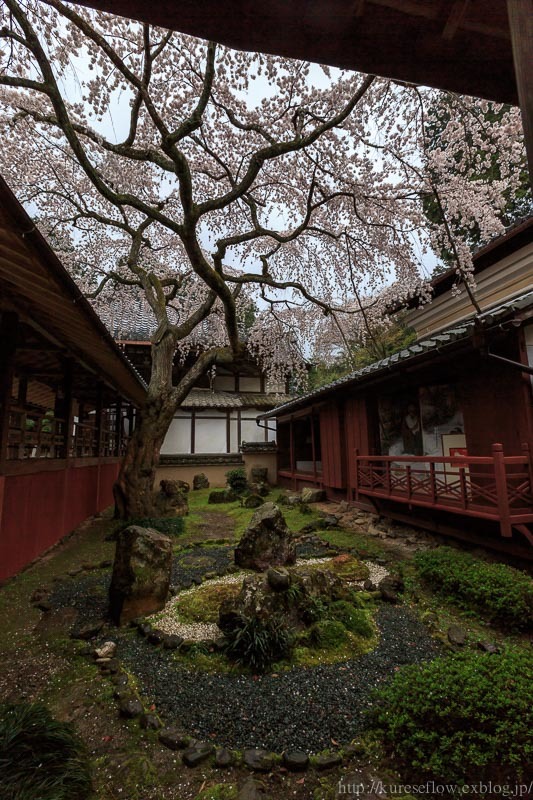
(43, 605)
(278, 578)
(262, 489)
(109, 666)
(388, 587)
(253, 501)
(488, 647)
(293, 500)
(149, 722)
(197, 753)
(129, 709)
(174, 739)
(258, 760)
(200, 481)
(88, 630)
(171, 500)
(267, 542)
(145, 629)
(120, 679)
(456, 635)
(223, 758)
(156, 637)
(368, 586)
(310, 495)
(328, 761)
(141, 573)
(251, 790)
(172, 641)
(222, 496)
(107, 650)
(123, 693)
(39, 594)
(296, 760)
(259, 474)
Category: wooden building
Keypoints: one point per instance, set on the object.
(442, 432)
(67, 396)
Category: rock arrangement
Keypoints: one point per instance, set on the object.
(266, 542)
(141, 573)
(171, 500)
(200, 481)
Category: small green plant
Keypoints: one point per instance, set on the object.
(170, 526)
(40, 757)
(236, 480)
(460, 718)
(327, 634)
(354, 619)
(259, 643)
(496, 591)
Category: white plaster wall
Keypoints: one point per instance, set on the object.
(249, 384)
(178, 438)
(210, 435)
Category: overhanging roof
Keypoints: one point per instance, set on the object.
(420, 350)
(34, 282)
(459, 45)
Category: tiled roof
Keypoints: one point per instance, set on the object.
(434, 342)
(205, 398)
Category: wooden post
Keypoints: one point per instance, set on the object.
(500, 479)
(529, 464)
(99, 426)
(464, 493)
(432, 481)
(118, 427)
(291, 452)
(520, 14)
(8, 344)
(356, 475)
(313, 446)
(408, 476)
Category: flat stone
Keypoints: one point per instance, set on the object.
(296, 760)
(279, 579)
(150, 722)
(107, 650)
(130, 708)
(328, 761)
(253, 501)
(156, 637)
(174, 739)
(171, 641)
(456, 635)
(197, 753)
(87, 631)
(258, 760)
(488, 647)
(312, 495)
(145, 629)
(223, 758)
(251, 790)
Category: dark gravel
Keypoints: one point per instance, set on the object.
(87, 593)
(303, 709)
(195, 562)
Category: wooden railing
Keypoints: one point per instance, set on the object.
(496, 487)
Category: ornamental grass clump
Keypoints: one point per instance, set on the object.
(461, 719)
(258, 643)
(40, 758)
(496, 591)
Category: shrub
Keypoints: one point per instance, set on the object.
(354, 619)
(327, 634)
(170, 526)
(503, 594)
(259, 643)
(460, 718)
(40, 757)
(236, 479)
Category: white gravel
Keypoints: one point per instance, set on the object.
(168, 621)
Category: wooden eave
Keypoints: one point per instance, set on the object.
(462, 46)
(35, 284)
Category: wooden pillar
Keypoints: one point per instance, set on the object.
(8, 344)
(228, 432)
(502, 495)
(313, 445)
(65, 409)
(99, 413)
(520, 14)
(118, 427)
(193, 432)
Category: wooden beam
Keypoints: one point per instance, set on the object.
(455, 19)
(521, 25)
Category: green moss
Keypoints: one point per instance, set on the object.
(327, 634)
(202, 604)
(354, 619)
(355, 542)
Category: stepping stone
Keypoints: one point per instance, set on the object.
(328, 761)
(173, 739)
(123, 693)
(197, 753)
(223, 758)
(456, 635)
(88, 631)
(251, 790)
(150, 722)
(145, 629)
(129, 709)
(488, 647)
(172, 641)
(296, 760)
(258, 760)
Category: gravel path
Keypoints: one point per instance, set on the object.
(303, 709)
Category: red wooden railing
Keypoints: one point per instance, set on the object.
(496, 487)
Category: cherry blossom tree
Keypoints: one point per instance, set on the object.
(207, 179)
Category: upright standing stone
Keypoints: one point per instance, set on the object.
(267, 542)
(141, 573)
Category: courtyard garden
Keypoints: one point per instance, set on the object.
(377, 659)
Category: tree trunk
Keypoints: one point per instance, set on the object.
(133, 490)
